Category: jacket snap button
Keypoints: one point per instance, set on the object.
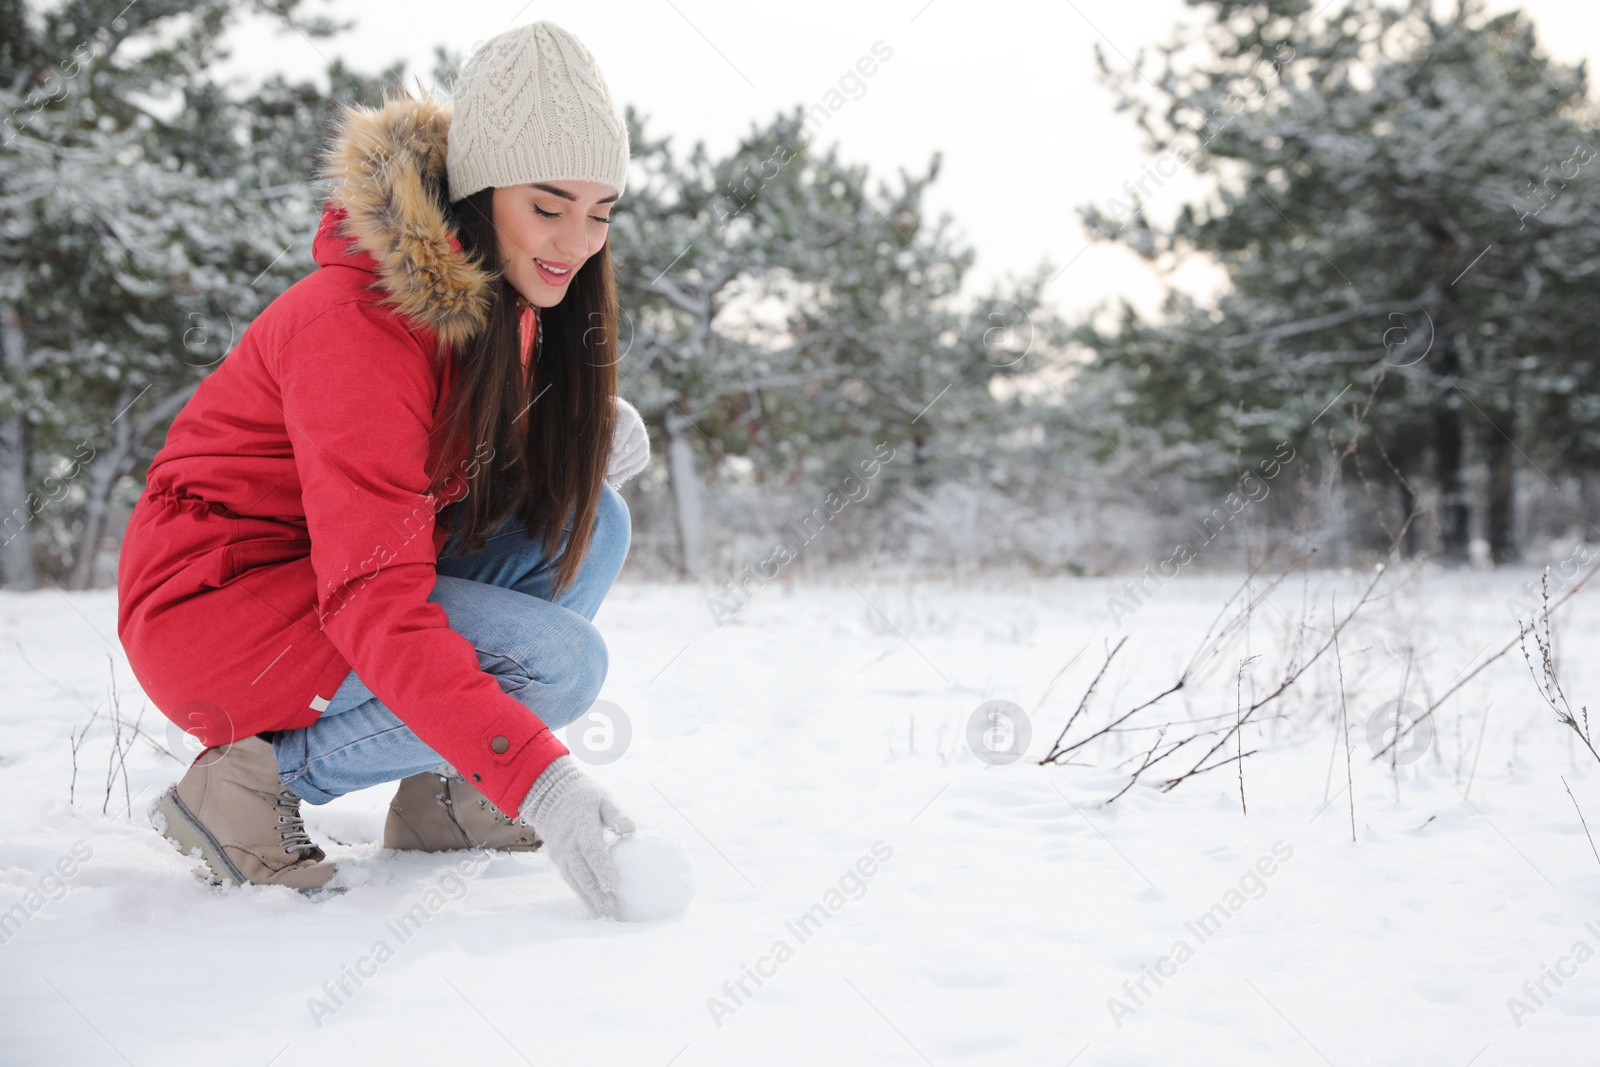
(499, 745)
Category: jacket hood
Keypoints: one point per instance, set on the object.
(386, 170)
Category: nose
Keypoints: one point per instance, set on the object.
(572, 242)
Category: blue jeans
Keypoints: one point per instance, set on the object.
(543, 649)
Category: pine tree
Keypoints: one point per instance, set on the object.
(782, 319)
(1393, 211)
(149, 215)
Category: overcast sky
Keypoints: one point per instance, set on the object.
(1004, 89)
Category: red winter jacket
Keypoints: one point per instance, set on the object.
(287, 531)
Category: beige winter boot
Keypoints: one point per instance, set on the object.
(432, 813)
(246, 824)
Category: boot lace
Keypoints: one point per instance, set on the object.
(291, 826)
(483, 804)
(494, 812)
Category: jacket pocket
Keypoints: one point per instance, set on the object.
(277, 572)
(246, 556)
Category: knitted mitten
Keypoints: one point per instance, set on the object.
(630, 445)
(569, 811)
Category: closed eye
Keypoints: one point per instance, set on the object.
(556, 215)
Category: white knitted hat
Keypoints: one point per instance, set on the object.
(532, 106)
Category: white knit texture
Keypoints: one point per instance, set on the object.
(532, 106)
(630, 445)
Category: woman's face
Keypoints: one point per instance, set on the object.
(549, 227)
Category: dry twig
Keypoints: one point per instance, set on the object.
(1545, 677)
(1582, 820)
(1344, 724)
(1433, 706)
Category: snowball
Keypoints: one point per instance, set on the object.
(655, 879)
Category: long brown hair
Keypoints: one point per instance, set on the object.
(551, 435)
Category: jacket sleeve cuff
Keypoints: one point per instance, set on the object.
(503, 765)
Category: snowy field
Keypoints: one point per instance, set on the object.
(812, 755)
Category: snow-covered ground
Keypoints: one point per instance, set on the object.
(812, 755)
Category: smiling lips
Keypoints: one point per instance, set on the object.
(557, 274)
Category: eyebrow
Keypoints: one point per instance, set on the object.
(558, 191)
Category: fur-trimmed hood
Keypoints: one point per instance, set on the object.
(386, 170)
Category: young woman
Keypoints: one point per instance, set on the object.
(374, 541)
